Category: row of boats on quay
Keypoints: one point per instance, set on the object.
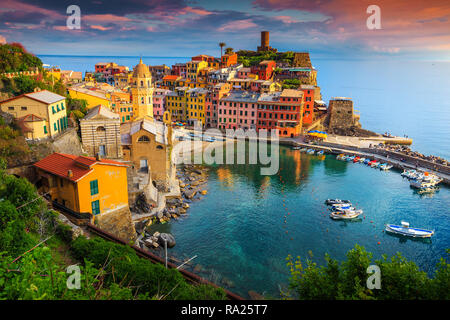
(343, 210)
(309, 151)
(371, 163)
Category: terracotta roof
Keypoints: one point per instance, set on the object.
(171, 77)
(60, 164)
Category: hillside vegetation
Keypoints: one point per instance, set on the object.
(35, 250)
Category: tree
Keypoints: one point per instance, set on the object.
(400, 279)
(221, 45)
(229, 50)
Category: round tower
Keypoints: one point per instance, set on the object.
(265, 39)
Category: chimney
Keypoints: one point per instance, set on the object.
(70, 173)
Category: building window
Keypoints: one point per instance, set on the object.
(94, 187)
(23, 108)
(95, 207)
(144, 139)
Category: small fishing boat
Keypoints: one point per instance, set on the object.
(296, 148)
(350, 158)
(336, 201)
(320, 152)
(425, 190)
(366, 161)
(405, 230)
(385, 166)
(341, 206)
(373, 163)
(410, 174)
(356, 159)
(361, 160)
(345, 214)
(310, 151)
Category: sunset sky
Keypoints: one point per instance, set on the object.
(179, 28)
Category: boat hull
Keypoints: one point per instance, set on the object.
(409, 232)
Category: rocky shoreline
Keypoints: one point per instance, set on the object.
(193, 186)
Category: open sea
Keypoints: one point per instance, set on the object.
(238, 230)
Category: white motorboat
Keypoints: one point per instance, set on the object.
(296, 148)
(405, 230)
(361, 160)
(345, 214)
(385, 166)
(310, 151)
(336, 201)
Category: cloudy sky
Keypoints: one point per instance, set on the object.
(178, 28)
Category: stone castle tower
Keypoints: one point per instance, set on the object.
(142, 92)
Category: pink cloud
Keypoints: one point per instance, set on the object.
(105, 18)
(286, 19)
(150, 29)
(199, 11)
(238, 25)
(101, 28)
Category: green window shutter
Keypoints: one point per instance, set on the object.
(53, 109)
(54, 126)
(57, 108)
(95, 207)
(62, 105)
(45, 129)
(94, 187)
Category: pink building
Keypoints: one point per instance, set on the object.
(243, 73)
(238, 110)
(159, 103)
(212, 103)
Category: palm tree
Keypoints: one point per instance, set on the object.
(221, 45)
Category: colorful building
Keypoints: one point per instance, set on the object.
(41, 114)
(84, 184)
(264, 70)
(281, 111)
(193, 68)
(238, 109)
(212, 103)
(195, 101)
(176, 104)
(229, 59)
(310, 94)
(159, 103)
(179, 69)
(169, 82)
(93, 97)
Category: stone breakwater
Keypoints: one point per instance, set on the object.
(193, 186)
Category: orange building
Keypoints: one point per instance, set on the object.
(229, 59)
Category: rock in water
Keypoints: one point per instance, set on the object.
(163, 237)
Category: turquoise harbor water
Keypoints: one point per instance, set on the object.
(238, 231)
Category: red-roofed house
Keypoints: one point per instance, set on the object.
(84, 184)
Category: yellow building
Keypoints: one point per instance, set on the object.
(40, 114)
(193, 68)
(142, 92)
(93, 98)
(195, 101)
(84, 184)
(176, 104)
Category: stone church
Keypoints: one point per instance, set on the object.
(100, 133)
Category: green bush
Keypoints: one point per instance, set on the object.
(124, 265)
(400, 279)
